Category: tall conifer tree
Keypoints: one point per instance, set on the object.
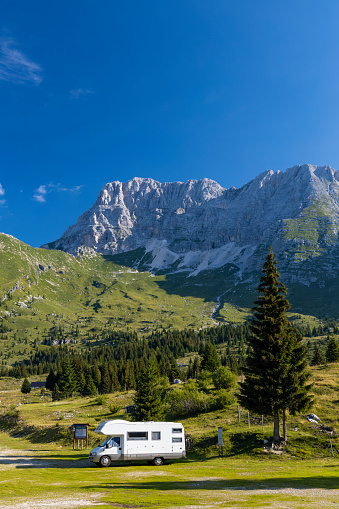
(210, 358)
(318, 356)
(332, 350)
(147, 400)
(67, 380)
(275, 376)
(26, 387)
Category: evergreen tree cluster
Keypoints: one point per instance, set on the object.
(331, 354)
(125, 355)
(120, 356)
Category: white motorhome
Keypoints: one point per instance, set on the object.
(153, 442)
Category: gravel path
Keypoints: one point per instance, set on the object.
(14, 458)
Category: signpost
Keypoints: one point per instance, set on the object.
(80, 433)
(220, 442)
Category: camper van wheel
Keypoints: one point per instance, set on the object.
(158, 461)
(105, 461)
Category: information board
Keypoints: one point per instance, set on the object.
(80, 432)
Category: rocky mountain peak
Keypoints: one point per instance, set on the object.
(199, 223)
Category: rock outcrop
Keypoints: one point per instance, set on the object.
(199, 225)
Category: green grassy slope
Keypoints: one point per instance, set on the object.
(44, 421)
(41, 290)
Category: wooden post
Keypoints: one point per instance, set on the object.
(262, 422)
(238, 414)
(249, 423)
(331, 446)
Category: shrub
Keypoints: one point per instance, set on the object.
(187, 400)
(204, 380)
(100, 400)
(223, 378)
(114, 409)
(222, 399)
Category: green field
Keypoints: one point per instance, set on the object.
(38, 465)
(64, 478)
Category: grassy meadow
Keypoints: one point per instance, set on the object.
(43, 290)
(39, 466)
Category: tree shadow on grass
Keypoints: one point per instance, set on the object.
(302, 483)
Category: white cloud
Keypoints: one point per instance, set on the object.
(80, 92)
(68, 189)
(42, 189)
(2, 192)
(15, 66)
(41, 192)
(39, 197)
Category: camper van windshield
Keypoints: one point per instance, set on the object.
(104, 442)
(111, 442)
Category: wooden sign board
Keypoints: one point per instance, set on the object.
(80, 433)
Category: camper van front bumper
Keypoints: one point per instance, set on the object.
(94, 457)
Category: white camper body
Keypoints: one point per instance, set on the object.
(129, 441)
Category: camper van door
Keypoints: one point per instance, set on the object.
(178, 440)
(114, 447)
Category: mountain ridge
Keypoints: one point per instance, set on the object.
(198, 223)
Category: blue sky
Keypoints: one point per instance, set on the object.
(92, 92)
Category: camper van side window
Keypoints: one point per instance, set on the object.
(156, 435)
(176, 439)
(176, 430)
(137, 435)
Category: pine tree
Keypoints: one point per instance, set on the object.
(147, 400)
(56, 395)
(196, 367)
(273, 382)
(96, 375)
(90, 387)
(332, 351)
(318, 356)
(295, 391)
(210, 358)
(106, 384)
(26, 387)
(67, 381)
(50, 380)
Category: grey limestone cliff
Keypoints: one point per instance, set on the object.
(199, 225)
